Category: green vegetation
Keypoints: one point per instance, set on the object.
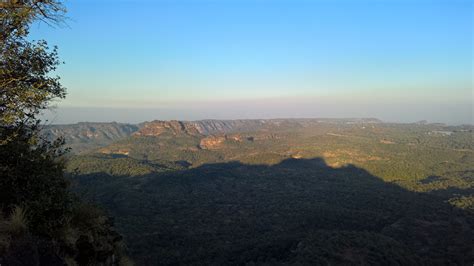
(84, 136)
(244, 192)
(41, 221)
(302, 192)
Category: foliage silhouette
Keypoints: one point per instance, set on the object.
(32, 167)
(299, 211)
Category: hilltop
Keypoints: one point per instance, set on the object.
(87, 135)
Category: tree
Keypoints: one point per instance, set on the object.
(31, 167)
(26, 86)
(31, 173)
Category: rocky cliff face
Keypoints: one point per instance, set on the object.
(90, 131)
(208, 127)
(86, 131)
(86, 136)
(203, 127)
(156, 128)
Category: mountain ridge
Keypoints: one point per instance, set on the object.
(83, 136)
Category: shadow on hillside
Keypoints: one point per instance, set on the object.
(300, 211)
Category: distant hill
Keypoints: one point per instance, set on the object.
(208, 127)
(84, 136)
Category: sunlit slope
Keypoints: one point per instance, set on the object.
(288, 192)
(418, 157)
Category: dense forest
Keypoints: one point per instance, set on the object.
(311, 192)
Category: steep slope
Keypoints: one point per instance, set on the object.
(84, 136)
(157, 128)
(207, 127)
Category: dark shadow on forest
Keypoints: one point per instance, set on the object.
(299, 211)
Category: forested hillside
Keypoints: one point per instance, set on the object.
(84, 136)
(289, 192)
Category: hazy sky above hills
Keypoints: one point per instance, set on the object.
(397, 60)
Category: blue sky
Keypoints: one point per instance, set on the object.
(397, 60)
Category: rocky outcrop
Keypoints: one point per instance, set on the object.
(212, 142)
(86, 131)
(208, 127)
(84, 137)
(156, 128)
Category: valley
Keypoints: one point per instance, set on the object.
(281, 191)
(95, 171)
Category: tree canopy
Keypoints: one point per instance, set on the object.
(41, 221)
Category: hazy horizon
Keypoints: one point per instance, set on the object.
(72, 115)
(190, 59)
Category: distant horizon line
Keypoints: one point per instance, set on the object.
(459, 114)
(349, 119)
